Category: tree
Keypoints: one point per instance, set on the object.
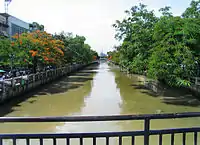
(166, 48)
(76, 50)
(166, 11)
(114, 56)
(36, 26)
(193, 11)
(172, 59)
(39, 48)
(9, 55)
(136, 31)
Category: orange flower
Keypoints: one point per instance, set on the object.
(51, 59)
(34, 54)
(46, 58)
(94, 57)
(15, 36)
(62, 53)
(12, 43)
(42, 45)
(31, 51)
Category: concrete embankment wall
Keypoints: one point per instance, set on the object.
(172, 95)
(153, 85)
(14, 87)
(159, 87)
(195, 87)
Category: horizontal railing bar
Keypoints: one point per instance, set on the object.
(71, 135)
(174, 130)
(99, 118)
(98, 134)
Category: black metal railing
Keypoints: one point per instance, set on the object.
(146, 133)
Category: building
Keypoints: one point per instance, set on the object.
(3, 26)
(15, 25)
(10, 25)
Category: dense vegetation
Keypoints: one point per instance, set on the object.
(166, 48)
(78, 51)
(39, 49)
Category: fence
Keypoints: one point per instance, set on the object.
(16, 86)
(195, 81)
(146, 133)
(195, 85)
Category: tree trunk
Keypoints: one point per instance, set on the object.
(34, 65)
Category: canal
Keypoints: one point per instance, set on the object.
(96, 90)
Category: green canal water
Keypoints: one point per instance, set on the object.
(96, 90)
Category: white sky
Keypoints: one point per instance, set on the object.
(90, 18)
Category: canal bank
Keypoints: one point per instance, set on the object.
(95, 90)
(18, 86)
(181, 95)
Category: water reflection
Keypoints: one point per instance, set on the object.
(47, 101)
(104, 99)
(97, 90)
(135, 101)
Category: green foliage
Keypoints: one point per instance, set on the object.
(24, 48)
(36, 26)
(165, 48)
(76, 50)
(114, 56)
(9, 54)
(137, 30)
(172, 59)
(193, 11)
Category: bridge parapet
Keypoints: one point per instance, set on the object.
(146, 133)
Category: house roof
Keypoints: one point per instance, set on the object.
(5, 14)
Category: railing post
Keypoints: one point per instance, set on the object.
(4, 91)
(196, 80)
(1, 141)
(146, 129)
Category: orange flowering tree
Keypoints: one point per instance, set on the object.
(39, 47)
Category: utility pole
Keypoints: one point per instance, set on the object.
(6, 4)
